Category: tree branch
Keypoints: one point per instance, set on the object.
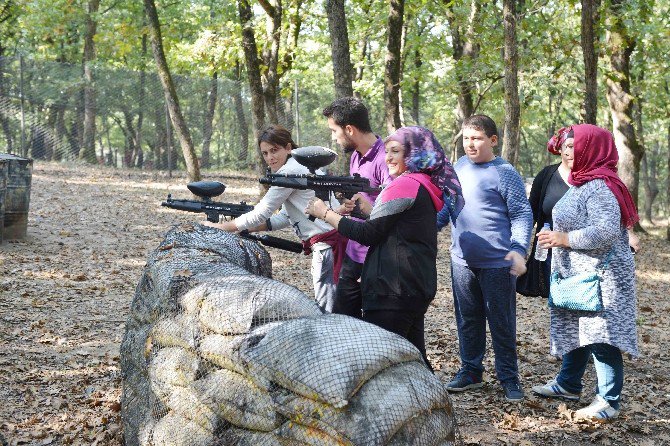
(480, 96)
(268, 7)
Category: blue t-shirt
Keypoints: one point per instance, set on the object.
(497, 217)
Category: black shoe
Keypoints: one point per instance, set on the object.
(513, 391)
(464, 380)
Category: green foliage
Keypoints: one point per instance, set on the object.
(204, 36)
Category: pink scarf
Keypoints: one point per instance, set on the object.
(596, 156)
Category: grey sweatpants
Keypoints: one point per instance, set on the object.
(322, 278)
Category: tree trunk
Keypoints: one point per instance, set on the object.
(178, 122)
(61, 132)
(392, 66)
(555, 103)
(212, 96)
(140, 107)
(130, 156)
(667, 184)
(270, 78)
(416, 89)
(239, 112)
(510, 150)
(6, 129)
(621, 100)
(465, 52)
(87, 150)
(253, 74)
(590, 53)
(339, 47)
(648, 183)
(160, 147)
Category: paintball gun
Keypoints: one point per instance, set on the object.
(314, 157)
(212, 209)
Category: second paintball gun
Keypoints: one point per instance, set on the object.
(314, 157)
(213, 210)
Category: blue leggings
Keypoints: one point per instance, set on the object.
(609, 370)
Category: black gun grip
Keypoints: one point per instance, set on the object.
(212, 217)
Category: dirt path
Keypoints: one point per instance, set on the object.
(65, 292)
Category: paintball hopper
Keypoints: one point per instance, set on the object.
(314, 157)
(206, 189)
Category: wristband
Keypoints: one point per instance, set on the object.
(325, 214)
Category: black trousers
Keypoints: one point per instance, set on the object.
(407, 324)
(348, 298)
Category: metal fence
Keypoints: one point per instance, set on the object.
(42, 116)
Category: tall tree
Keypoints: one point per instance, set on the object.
(620, 45)
(465, 52)
(414, 53)
(510, 150)
(176, 116)
(139, 157)
(253, 73)
(392, 65)
(87, 150)
(339, 47)
(211, 100)
(590, 53)
(7, 30)
(270, 76)
(667, 187)
(239, 114)
(363, 46)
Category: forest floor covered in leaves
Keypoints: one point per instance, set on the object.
(65, 292)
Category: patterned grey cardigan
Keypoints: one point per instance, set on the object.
(591, 216)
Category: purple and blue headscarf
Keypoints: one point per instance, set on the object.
(424, 154)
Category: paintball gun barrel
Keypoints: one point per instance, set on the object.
(213, 210)
(314, 158)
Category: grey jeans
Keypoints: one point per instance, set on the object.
(322, 278)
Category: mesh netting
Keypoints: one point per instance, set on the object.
(218, 353)
(43, 110)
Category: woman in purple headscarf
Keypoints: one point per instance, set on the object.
(399, 278)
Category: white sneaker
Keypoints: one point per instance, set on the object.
(553, 390)
(598, 410)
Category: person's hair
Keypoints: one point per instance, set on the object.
(349, 111)
(482, 123)
(277, 136)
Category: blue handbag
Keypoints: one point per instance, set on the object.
(578, 293)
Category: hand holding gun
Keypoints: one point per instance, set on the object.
(213, 210)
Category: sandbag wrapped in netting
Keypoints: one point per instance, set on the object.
(218, 353)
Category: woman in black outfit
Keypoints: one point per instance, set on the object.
(549, 186)
(399, 278)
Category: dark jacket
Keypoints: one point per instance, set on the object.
(400, 270)
(533, 283)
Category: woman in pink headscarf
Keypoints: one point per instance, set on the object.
(589, 233)
(399, 278)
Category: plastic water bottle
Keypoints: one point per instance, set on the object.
(540, 252)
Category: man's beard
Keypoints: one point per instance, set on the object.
(348, 146)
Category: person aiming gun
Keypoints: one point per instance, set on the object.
(318, 237)
(214, 210)
(324, 186)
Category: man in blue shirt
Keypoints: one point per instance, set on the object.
(489, 242)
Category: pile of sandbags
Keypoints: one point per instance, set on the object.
(218, 353)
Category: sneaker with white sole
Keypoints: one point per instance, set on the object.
(598, 410)
(553, 390)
